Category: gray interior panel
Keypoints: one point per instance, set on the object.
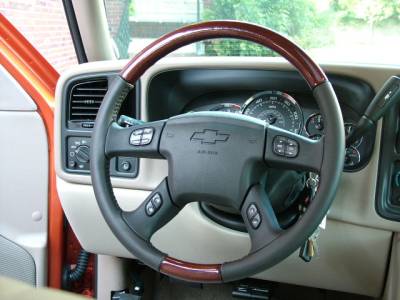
(24, 168)
(13, 97)
(16, 262)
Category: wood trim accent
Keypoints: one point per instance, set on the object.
(38, 78)
(191, 271)
(311, 72)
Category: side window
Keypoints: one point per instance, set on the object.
(44, 24)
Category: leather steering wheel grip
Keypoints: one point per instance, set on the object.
(330, 171)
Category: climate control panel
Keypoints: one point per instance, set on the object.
(78, 159)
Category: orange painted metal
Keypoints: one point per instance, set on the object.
(38, 78)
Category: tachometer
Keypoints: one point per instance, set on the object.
(276, 108)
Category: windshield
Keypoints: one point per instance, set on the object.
(356, 31)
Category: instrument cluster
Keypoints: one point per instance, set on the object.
(282, 110)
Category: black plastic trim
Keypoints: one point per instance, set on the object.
(387, 203)
(202, 89)
(67, 132)
(75, 32)
(232, 221)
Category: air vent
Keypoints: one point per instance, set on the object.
(85, 100)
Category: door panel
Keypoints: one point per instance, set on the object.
(24, 165)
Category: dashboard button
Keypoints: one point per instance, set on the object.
(125, 166)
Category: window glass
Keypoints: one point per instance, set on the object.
(44, 24)
(357, 31)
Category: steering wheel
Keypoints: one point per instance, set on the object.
(217, 158)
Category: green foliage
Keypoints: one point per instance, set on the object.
(372, 12)
(131, 7)
(298, 19)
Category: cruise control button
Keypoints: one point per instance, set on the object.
(279, 149)
(148, 131)
(150, 209)
(135, 139)
(145, 141)
(283, 146)
(138, 132)
(255, 221)
(251, 211)
(141, 137)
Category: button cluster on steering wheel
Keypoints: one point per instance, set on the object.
(141, 137)
(153, 205)
(254, 216)
(284, 146)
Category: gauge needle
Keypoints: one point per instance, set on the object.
(271, 119)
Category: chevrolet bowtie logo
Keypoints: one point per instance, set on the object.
(208, 136)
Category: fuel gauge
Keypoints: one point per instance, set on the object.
(348, 127)
(315, 126)
(352, 157)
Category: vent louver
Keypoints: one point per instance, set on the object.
(85, 100)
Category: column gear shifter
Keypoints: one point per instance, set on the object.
(386, 97)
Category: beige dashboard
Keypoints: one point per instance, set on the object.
(354, 249)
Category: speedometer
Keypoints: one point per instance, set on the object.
(276, 108)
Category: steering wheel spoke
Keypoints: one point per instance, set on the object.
(259, 218)
(288, 150)
(156, 211)
(138, 141)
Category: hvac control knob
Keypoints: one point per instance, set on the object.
(82, 154)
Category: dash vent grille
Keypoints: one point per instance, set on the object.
(86, 98)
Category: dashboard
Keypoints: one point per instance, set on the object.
(180, 85)
(278, 98)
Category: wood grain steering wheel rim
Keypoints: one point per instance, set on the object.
(330, 168)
